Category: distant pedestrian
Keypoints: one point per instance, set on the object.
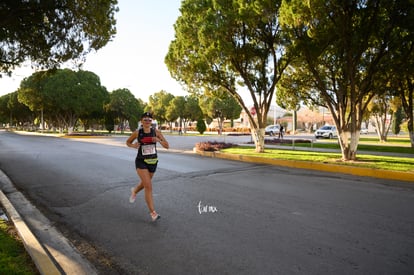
(145, 140)
(281, 132)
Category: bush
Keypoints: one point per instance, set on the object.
(201, 126)
(213, 146)
(109, 122)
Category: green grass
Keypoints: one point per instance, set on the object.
(371, 161)
(13, 256)
(390, 141)
(394, 145)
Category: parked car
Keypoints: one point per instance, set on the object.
(364, 131)
(272, 130)
(326, 131)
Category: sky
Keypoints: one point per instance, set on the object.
(134, 59)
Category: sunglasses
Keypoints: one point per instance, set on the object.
(147, 119)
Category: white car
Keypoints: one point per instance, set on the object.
(364, 131)
(272, 130)
(327, 131)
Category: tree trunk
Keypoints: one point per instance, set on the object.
(348, 141)
(380, 127)
(258, 138)
(408, 108)
(410, 124)
(294, 121)
(220, 124)
(411, 133)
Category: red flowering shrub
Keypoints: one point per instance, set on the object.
(213, 146)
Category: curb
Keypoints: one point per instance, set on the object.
(350, 170)
(82, 136)
(51, 252)
(40, 257)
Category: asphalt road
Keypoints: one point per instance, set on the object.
(218, 216)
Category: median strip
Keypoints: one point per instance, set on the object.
(357, 171)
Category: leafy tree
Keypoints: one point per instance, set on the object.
(400, 65)
(342, 48)
(220, 105)
(133, 122)
(54, 31)
(30, 91)
(124, 105)
(234, 45)
(380, 109)
(64, 95)
(4, 110)
(32, 94)
(192, 111)
(75, 95)
(175, 108)
(92, 98)
(15, 113)
(20, 114)
(293, 91)
(184, 108)
(158, 103)
(405, 88)
(309, 117)
(406, 91)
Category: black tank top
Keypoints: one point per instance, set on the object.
(147, 148)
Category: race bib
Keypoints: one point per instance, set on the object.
(148, 149)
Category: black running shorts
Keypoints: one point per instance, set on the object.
(141, 164)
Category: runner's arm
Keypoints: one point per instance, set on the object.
(130, 141)
(161, 139)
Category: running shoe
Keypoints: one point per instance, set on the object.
(133, 195)
(155, 216)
